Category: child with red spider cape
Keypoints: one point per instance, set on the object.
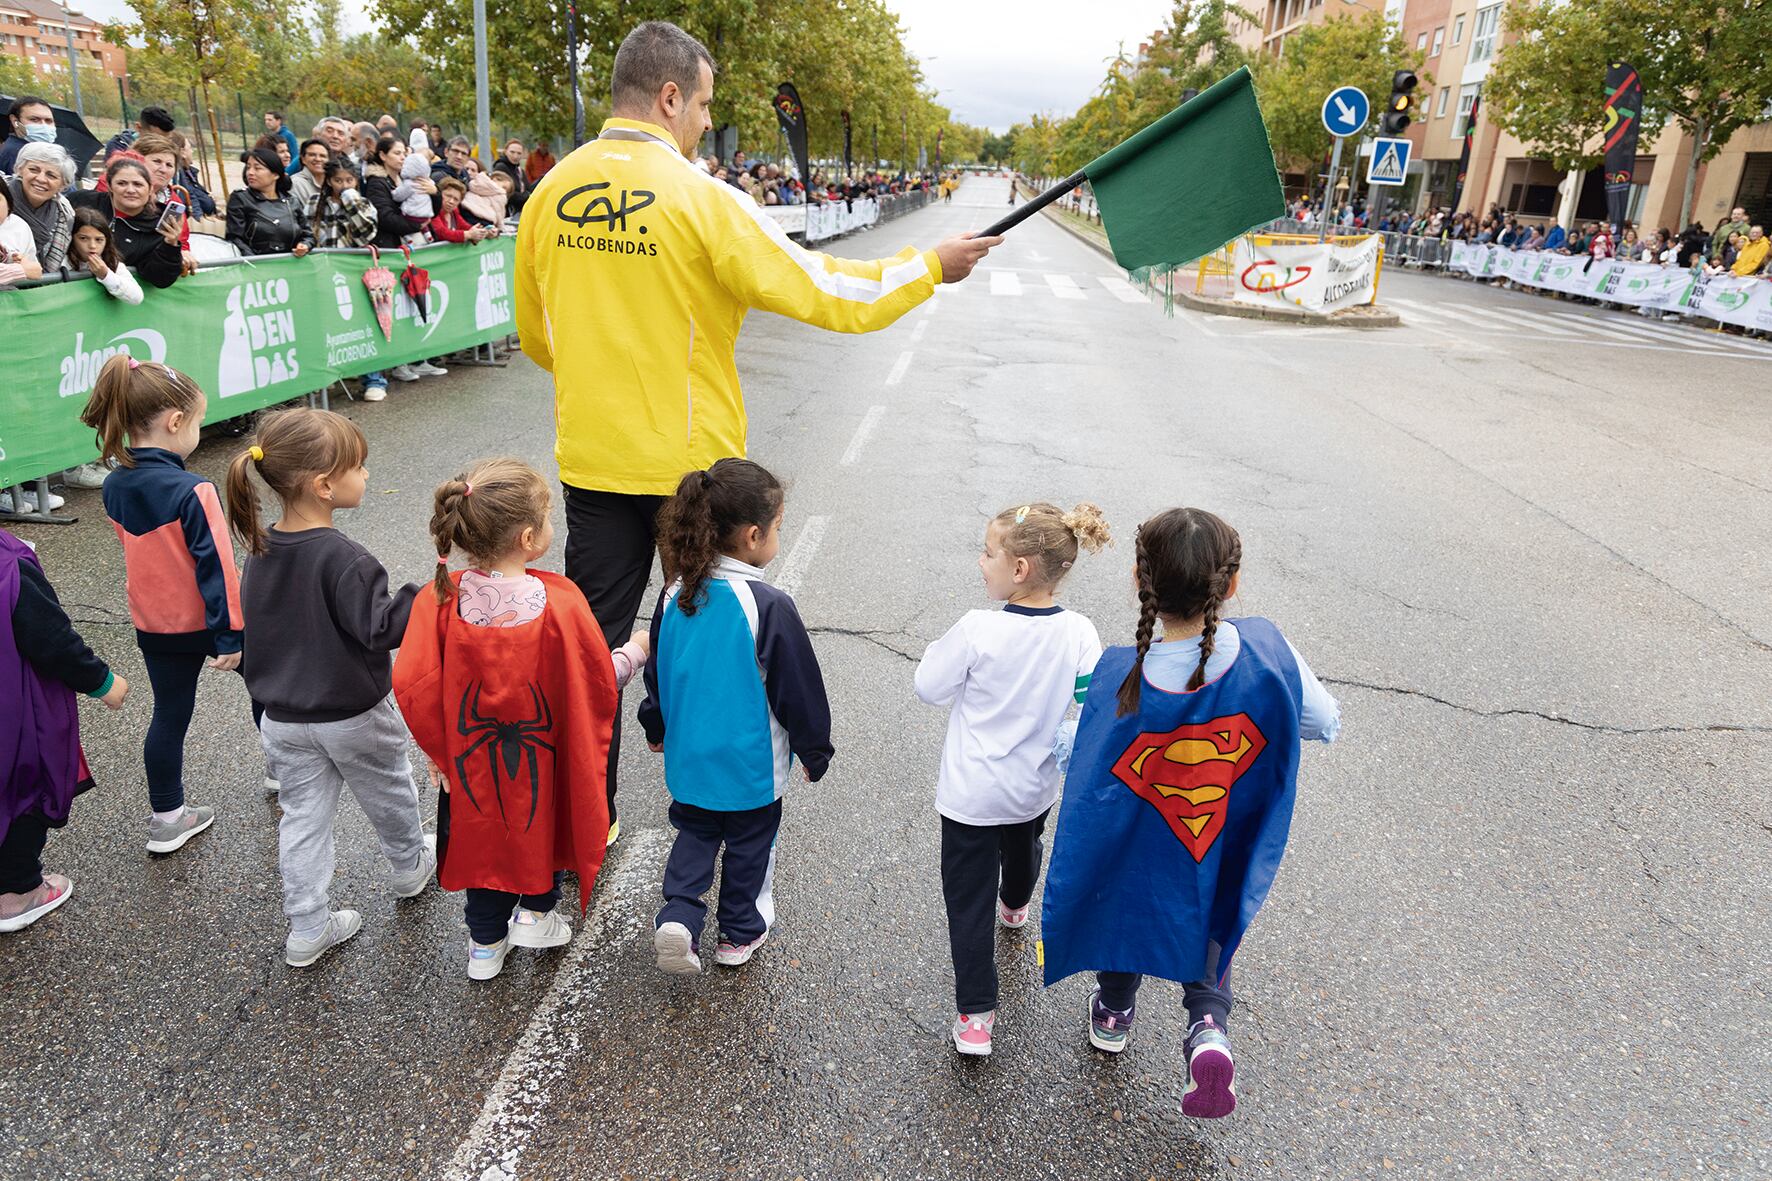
(509, 688)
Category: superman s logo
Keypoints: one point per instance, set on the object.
(1187, 774)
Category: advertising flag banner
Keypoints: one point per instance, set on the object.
(1464, 153)
(1624, 102)
(792, 117)
(846, 135)
(252, 335)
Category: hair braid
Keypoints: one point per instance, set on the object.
(445, 529)
(1131, 689)
(1221, 585)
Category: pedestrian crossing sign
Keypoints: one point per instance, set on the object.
(1389, 163)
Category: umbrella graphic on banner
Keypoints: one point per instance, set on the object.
(380, 283)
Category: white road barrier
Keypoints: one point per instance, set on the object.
(1319, 277)
(1731, 300)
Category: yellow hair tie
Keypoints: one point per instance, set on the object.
(257, 452)
(1021, 514)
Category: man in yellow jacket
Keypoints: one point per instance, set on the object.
(634, 271)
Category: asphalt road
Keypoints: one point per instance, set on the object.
(1522, 929)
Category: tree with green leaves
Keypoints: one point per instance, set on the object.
(1362, 51)
(1704, 66)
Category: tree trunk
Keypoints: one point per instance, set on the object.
(221, 168)
(1702, 129)
(201, 148)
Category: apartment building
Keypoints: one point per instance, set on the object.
(38, 32)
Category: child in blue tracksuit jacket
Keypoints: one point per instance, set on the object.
(733, 696)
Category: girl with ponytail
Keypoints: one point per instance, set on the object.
(510, 690)
(1179, 797)
(1010, 675)
(320, 625)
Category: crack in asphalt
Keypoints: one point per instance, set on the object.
(870, 635)
(1519, 712)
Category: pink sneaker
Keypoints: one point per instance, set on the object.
(1015, 919)
(972, 1033)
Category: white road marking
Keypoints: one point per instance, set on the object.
(1122, 290)
(1662, 335)
(899, 368)
(515, 1105)
(1420, 309)
(800, 557)
(1515, 321)
(1064, 287)
(1005, 283)
(870, 422)
(917, 330)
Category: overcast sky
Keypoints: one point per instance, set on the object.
(994, 63)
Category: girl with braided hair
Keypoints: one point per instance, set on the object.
(1179, 797)
(1010, 676)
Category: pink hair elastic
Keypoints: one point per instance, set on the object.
(442, 559)
(134, 364)
(467, 489)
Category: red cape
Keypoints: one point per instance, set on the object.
(519, 720)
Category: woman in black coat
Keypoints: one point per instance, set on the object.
(386, 189)
(262, 217)
(150, 249)
(510, 162)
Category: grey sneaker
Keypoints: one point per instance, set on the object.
(412, 883)
(340, 926)
(426, 369)
(403, 373)
(168, 836)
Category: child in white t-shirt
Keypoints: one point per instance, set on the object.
(1010, 676)
(18, 250)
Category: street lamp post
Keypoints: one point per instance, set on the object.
(73, 57)
(482, 103)
(394, 93)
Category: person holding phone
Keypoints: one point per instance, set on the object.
(146, 231)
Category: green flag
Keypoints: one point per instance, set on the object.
(1191, 181)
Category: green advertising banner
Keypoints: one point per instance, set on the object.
(252, 335)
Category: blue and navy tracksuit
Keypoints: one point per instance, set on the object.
(184, 595)
(735, 695)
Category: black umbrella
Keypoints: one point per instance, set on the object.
(70, 132)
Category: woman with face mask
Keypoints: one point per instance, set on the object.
(146, 241)
(40, 172)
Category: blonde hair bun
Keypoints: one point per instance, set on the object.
(1090, 527)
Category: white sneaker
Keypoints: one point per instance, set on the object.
(5, 502)
(676, 950)
(486, 960)
(375, 393)
(272, 786)
(426, 369)
(529, 929)
(403, 373)
(27, 500)
(87, 475)
(340, 926)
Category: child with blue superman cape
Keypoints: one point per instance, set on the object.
(1179, 798)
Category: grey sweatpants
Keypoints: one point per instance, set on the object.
(314, 760)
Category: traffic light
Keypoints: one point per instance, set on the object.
(1397, 111)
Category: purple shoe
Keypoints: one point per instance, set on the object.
(1211, 1074)
(1108, 1028)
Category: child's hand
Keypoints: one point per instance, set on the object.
(805, 774)
(656, 748)
(226, 664)
(642, 639)
(438, 779)
(119, 690)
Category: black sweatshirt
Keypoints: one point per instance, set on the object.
(47, 640)
(319, 627)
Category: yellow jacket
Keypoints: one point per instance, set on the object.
(634, 271)
(1751, 257)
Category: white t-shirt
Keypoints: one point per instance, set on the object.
(1010, 676)
(15, 235)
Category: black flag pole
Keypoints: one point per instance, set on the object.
(1033, 206)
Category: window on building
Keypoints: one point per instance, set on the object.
(1484, 34)
(1421, 41)
(1439, 40)
(1458, 30)
(1445, 96)
(1467, 97)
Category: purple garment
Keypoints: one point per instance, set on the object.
(41, 767)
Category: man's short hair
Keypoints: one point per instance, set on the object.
(277, 115)
(462, 142)
(157, 118)
(656, 52)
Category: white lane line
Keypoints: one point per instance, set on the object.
(1064, 287)
(1515, 321)
(1421, 309)
(516, 1104)
(800, 557)
(1662, 335)
(1005, 283)
(870, 422)
(917, 330)
(1122, 290)
(930, 303)
(899, 368)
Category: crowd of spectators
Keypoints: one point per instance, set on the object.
(770, 184)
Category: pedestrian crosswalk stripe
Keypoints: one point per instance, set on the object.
(1421, 309)
(1515, 320)
(1122, 290)
(1606, 328)
(1005, 283)
(1665, 335)
(1064, 287)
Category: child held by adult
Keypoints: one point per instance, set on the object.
(1179, 797)
(720, 634)
(183, 590)
(43, 664)
(320, 627)
(1010, 676)
(510, 690)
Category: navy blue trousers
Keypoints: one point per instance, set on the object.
(173, 677)
(747, 905)
(1204, 998)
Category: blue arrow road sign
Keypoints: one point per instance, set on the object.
(1389, 164)
(1345, 110)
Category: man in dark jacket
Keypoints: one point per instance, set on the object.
(32, 120)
